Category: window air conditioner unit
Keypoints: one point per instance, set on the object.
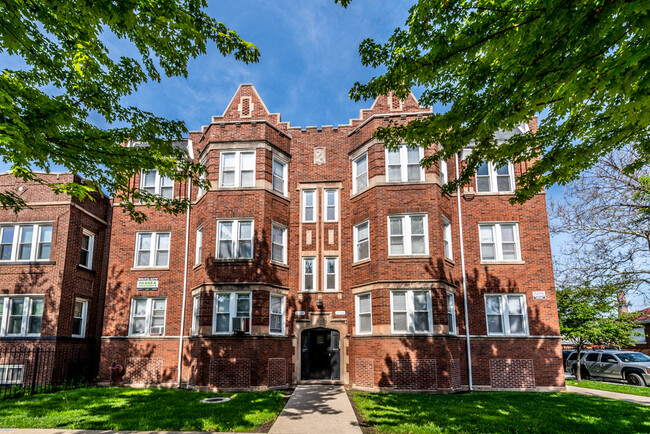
(157, 330)
(241, 324)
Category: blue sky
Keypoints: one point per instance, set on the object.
(309, 61)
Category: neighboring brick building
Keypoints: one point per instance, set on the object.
(52, 274)
(643, 327)
(318, 255)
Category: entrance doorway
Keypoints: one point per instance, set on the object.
(320, 354)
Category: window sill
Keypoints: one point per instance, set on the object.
(280, 264)
(197, 265)
(392, 257)
(494, 193)
(503, 262)
(27, 262)
(450, 261)
(494, 335)
(81, 267)
(222, 188)
(319, 292)
(150, 269)
(361, 262)
(232, 261)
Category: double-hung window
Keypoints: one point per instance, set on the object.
(408, 235)
(235, 239)
(232, 312)
(278, 243)
(276, 314)
(152, 249)
(21, 315)
(506, 314)
(444, 177)
(490, 178)
(403, 164)
(279, 176)
(309, 206)
(451, 313)
(25, 242)
(309, 274)
(499, 242)
(147, 317)
(361, 241)
(364, 313)
(331, 205)
(196, 309)
(152, 182)
(331, 273)
(79, 318)
(360, 173)
(198, 253)
(201, 191)
(237, 169)
(87, 246)
(11, 374)
(411, 311)
(446, 238)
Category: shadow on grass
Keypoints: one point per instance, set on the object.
(141, 409)
(500, 412)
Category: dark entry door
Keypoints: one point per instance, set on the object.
(320, 354)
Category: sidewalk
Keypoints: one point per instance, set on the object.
(317, 409)
(643, 400)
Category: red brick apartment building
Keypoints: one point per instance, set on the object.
(52, 274)
(317, 255)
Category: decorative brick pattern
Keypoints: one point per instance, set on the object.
(512, 374)
(364, 373)
(230, 373)
(415, 374)
(454, 372)
(143, 370)
(277, 372)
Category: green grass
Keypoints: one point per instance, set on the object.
(140, 409)
(611, 387)
(499, 412)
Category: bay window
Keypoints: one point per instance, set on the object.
(237, 169)
(411, 311)
(235, 239)
(277, 306)
(403, 164)
(408, 235)
(231, 313)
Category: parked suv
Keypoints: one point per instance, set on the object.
(630, 366)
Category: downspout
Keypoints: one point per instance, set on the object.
(462, 265)
(187, 246)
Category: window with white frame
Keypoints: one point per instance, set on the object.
(446, 238)
(360, 173)
(490, 178)
(331, 205)
(309, 274)
(506, 314)
(11, 374)
(87, 247)
(21, 315)
(196, 309)
(278, 243)
(276, 314)
(499, 241)
(364, 313)
(147, 317)
(451, 313)
(237, 169)
(201, 191)
(79, 318)
(403, 164)
(443, 171)
(25, 242)
(280, 175)
(232, 312)
(331, 273)
(235, 239)
(152, 249)
(361, 241)
(309, 206)
(408, 235)
(152, 182)
(198, 252)
(411, 311)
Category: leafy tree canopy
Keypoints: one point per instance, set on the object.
(70, 75)
(581, 64)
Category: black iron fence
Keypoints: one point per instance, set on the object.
(27, 371)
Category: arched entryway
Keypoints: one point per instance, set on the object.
(320, 354)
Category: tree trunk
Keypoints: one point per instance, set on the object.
(578, 373)
(622, 303)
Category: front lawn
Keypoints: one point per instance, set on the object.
(114, 408)
(499, 412)
(611, 387)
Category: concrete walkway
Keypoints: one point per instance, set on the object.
(643, 400)
(317, 409)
